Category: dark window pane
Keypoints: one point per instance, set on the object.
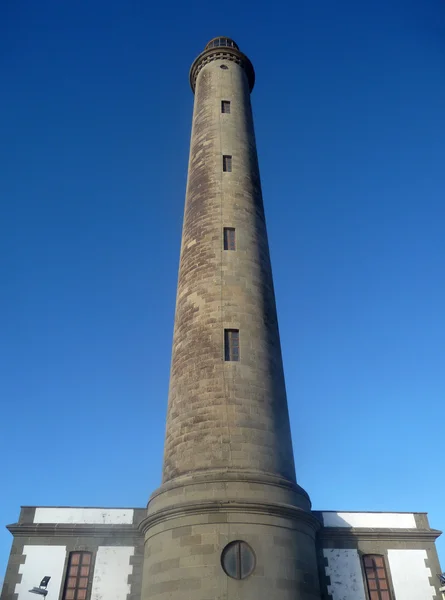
(238, 560)
(229, 238)
(227, 163)
(230, 561)
(231, 344)
(225, 106)
(247, 560)
(226, 345)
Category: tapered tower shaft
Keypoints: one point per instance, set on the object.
(229, 521)
(225, 414)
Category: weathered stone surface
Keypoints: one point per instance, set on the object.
(285, 562)
(225, 415)
(228, 464)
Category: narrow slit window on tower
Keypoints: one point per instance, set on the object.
(227, 163)
(225, 106)
(231, 344)
(229, 238)
(376, 578)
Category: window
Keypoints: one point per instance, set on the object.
(227, 163)
(238, 560)
(224, 67)
(229, 238)
(376, 578)
(227, 42)
(77, 576)
(225, 106)
(231, 344)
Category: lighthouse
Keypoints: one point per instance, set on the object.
(229, 520)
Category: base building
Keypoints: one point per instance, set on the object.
(98, 554)
(229, 521)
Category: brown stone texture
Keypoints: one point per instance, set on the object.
(225, 415)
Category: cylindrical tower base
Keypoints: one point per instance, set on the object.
(191, 522)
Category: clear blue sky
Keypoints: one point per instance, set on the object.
(95, 116)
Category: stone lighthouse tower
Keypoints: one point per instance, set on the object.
(229, 521)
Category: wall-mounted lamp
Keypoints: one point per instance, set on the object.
(41, 590)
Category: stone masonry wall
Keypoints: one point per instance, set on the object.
(183, 559)
(225, 415)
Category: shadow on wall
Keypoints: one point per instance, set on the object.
(340, 523)
(279, 409)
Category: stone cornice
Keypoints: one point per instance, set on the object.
(225, 476)
(224, 53)
(230, 506)
(345, 533)
(72, 529)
